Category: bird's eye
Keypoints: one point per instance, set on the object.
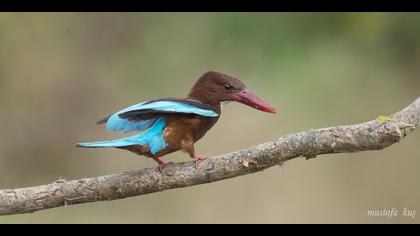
(228, 87)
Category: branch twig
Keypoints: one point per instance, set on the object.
(372, 135)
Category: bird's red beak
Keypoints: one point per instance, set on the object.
(248, 98)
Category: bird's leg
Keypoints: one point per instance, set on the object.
(139, 150)
(160, 162)
(188, 146)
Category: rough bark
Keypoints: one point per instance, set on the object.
(372, 135)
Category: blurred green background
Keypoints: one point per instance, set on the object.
(61, 72)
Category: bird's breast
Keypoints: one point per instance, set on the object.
(182, 127)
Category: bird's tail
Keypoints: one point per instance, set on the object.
(106, 144)
(153, 138)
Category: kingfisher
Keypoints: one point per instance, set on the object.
(172, 124)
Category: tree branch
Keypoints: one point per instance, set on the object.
(372, 135)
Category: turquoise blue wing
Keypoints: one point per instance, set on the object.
(152, 138)
(143, 115)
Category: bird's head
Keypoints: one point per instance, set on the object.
(215, 87)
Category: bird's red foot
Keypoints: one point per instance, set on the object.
(161, 167)
(161, 163)
(198, 159)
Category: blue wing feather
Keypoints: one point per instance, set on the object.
(155, 123)
(116, 123)
(153, 138)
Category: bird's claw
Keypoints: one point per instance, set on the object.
(162, 165)
(198, 159)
